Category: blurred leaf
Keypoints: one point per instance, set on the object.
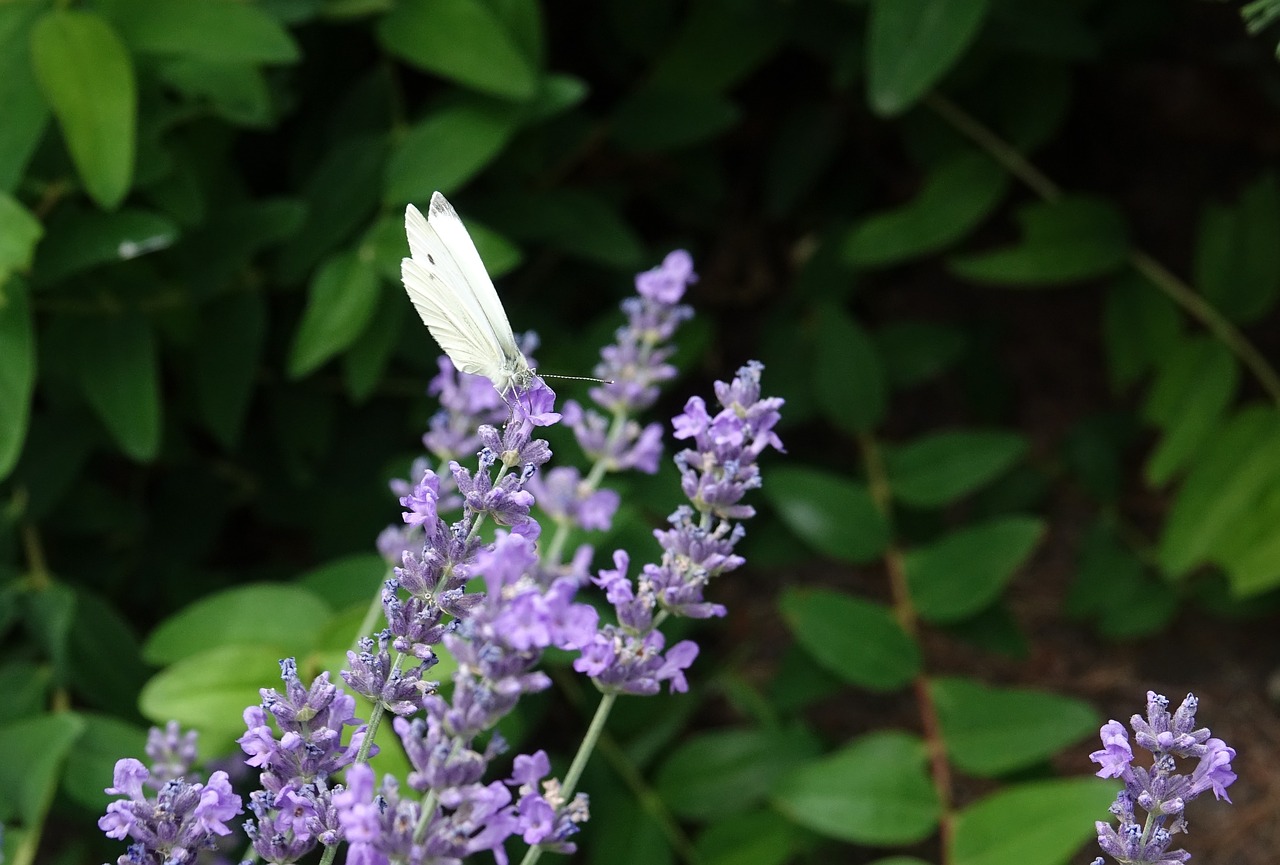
(233, 330)
(834, 515)
(223, 31)
(80, 240)
(557, 93)
(87, 76)
(805, 143)
(954, 197)
(237, 91)
(447, 149)
(340, 301)
(365, 362)
(1226, 482)
(1065, 241)
(911, 44)
(966, 570)
(1041, 27)
(19, 231)
(1113, 589)
(1094, 452)
(917, 351)
(857, 640)
(848, 377)
(349, 580)
(872, 792)
(699, 58)
(1141, 326)
(17, 370)
(760, 837)
(25, 111)
(461, 40)
(208, 691)
(1237, 265)
(281, 615)
(26, 688)
(994, 731)
(32, 752)
(1250, 549)
(575, 222)
(119, 372)
(108, 671)
(1195, 384)
(933, 471)
(91, 763)
(1041, 823)
(656, 118)
(723, 772)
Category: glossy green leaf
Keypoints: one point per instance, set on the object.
(448, 148)
(227, 361)
(285, 615)
(719, 773)
(80, 240)
(833, 515)
(1193, 388)
(25, 111)
(940, 468)
(32, 754)
(849, 380)
(118, 369)
(1040, 823)
(911, 44)
(954, 197)
(1141, 326)
(1227, 481)
(663, 118)
(872, 792)
(857, 640)
(994, 731)
(17, 370)
(224, 31)
(1237, 265)
(760, 837)
(340, 301)
(965, 571)
(104, 741)
(462, 40)
(1064, 241)
(86, 75)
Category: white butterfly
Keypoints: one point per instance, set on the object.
(451, 290)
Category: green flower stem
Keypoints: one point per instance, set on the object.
(1174, 288)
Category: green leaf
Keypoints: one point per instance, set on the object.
(237, 91)
(1237, 264)
(849, 380)
(81, 240)
(1065, 241)
(340, 301)
(760, 837)
(1192, 390)
(700, 58)
(223, 31)
(1250, 551)
(994, 731)
(346, 581)
(578, 223)
(964, 572)
(1227, 481)
(26, 686)
(93, 759)
(32, 753)
(857, 640)
(86, 75)
(108, 671)
(227, 361)
(911, 44)
(872, 792)
(119, 372)
(1141, 326)
(285, 615)
(365, 362)
(447, 149)
(25, 111)
(835, 516)
(716, 774)
(953, 198)
(1041, 823)
(917, 351)
(1113, 591)
(654, 119)
(208, 691)
(17, 370)
(461, 40)
(934, 471)
(19, 232)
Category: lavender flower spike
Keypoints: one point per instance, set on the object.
(1160, 791)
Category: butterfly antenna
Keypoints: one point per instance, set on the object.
(575, 377)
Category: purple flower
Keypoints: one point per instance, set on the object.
(562, 495)
(183, 819)
(1160, 790)
(172, 752)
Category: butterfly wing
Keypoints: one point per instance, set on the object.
(449, 286)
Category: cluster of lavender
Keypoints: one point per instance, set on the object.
(444, 811)
(1160, 791)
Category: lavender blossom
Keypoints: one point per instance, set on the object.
(1160, 791)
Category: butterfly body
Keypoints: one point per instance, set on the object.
(452, 291)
